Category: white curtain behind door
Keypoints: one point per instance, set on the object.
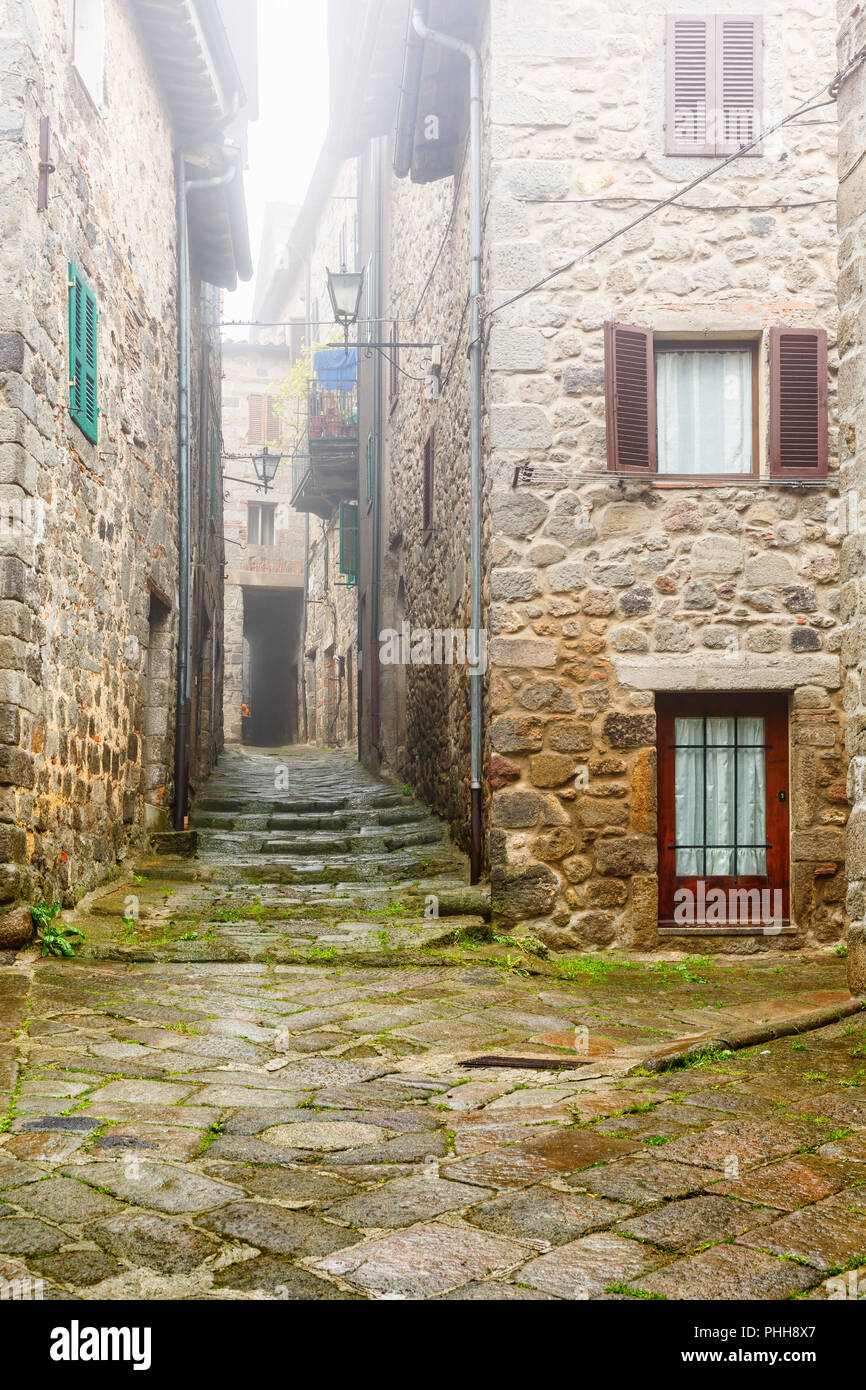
(748, 815)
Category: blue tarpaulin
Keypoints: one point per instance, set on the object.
(336, 369)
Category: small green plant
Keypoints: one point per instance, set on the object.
(532, 946)
(56, 939)
(43, 914)
(841, 950)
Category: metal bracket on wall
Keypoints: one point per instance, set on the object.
(45, 166)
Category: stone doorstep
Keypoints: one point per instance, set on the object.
(679, 935)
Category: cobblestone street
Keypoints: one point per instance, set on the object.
(262, 1086)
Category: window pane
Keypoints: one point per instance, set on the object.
(689, 794)
(751, 797)
(720, 797)
(704, 404)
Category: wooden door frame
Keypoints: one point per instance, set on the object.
(773, 706)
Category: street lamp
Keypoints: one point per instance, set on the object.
(345, 289)
(266, 465)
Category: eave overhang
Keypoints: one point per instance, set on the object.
(193, 62)
(389, 81)
(218, 231)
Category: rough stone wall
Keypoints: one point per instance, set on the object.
(730, 589)
(85, 761)
(329, 696)
(424, 720)
(206, 538)
(252, 369)
(852, 418)
(603, 590)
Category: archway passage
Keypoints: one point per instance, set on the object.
(272, 626)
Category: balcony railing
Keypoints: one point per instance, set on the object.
(332, 414)
(327, 473)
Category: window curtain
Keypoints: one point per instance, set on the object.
(704, 407)
(725, 809)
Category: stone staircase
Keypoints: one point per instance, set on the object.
(335, 863)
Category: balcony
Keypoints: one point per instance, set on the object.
(328, 473)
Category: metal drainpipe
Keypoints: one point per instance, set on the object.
(379, 149)
(476, 674)
(182, 720)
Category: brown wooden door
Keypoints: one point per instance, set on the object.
(719, 756)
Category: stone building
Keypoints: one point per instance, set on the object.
(264, 535)
(662, 710)
(97, 567)
(319, 413)
(852, 434)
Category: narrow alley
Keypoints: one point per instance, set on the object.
(432, 672)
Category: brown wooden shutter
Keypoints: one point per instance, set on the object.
(256, 430)
(798, 402)
(690, 83)
(738, 82)
(273, 433)
(630, 398)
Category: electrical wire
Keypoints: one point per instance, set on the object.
(651, 212)
(810, 104)
(395, 364)
(451, 359)
(436, 258)
(691, 207)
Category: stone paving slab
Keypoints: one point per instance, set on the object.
(423, 1261)
(727, 1272)
(585, 1268)
(828, 1233)
(692, 1222)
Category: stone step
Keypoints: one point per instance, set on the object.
(231, 822)
(338, 821)
(323, 845)
(388, 799)
(403, 815)
(413, 837)
(308, 804)
(174, 842)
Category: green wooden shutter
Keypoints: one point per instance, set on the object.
(349, 541)
(83, 318)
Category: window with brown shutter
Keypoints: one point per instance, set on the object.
(687, 408)
(427, 493)
(630, 398)
(798, 403)
(256, 418)
(713, 82)
(264, 422)
(739, 55)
